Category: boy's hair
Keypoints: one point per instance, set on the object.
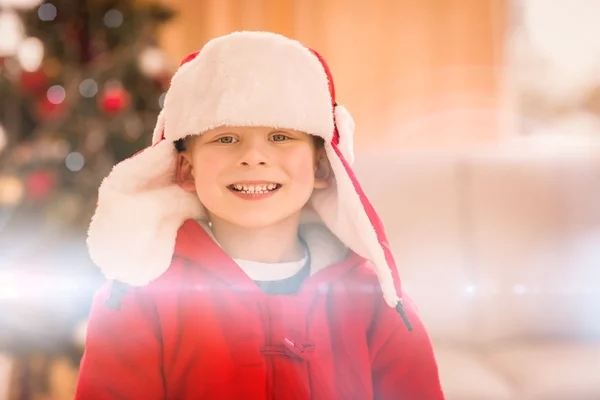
(182, 144)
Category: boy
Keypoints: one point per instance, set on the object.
(243, 254)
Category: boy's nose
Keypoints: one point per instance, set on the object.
(253, 163)
(253, 155)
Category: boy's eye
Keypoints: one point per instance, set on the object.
(227, 140)
(279, 137)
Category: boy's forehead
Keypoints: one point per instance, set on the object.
(248, 130)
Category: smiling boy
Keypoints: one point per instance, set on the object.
(270, 172)
(245, 260)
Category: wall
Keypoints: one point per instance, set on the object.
(414, 73)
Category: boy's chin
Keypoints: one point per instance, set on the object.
(259, 220)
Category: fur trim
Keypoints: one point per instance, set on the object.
(348, 220)
(140, 208)
(159, 129)
(257, 79)
(345, 125)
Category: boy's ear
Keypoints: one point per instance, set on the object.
(185, 173)
(323, 171)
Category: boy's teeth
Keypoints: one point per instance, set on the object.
(255, 188)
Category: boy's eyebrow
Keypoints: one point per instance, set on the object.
(223, 129)
(286, 130)
(216, 133)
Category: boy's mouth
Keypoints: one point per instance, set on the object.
(255, 188)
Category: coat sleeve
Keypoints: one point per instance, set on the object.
(402, 362)
(122, 358)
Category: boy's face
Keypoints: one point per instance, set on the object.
(252, 176)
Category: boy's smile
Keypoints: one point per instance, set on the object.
(254, 190)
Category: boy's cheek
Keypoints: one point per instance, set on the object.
(208, 167)
(302, 169)
(304, 178)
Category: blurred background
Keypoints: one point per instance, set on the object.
(478, 141)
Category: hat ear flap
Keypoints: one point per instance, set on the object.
(345, 126)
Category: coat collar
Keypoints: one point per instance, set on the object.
(195, 244)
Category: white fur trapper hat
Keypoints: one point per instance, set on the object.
(232, 81)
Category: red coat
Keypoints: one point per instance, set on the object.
(204, 330)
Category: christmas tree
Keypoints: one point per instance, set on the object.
(81, 85)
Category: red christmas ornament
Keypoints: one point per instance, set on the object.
(34, 82)
(40, 184)
(48, 110)
(114, 100)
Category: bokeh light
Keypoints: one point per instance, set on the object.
(11, 31)
(113, 18)
(75, 161)
(31, 54)
(47, 12)
(56, 94)
(88, 88)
